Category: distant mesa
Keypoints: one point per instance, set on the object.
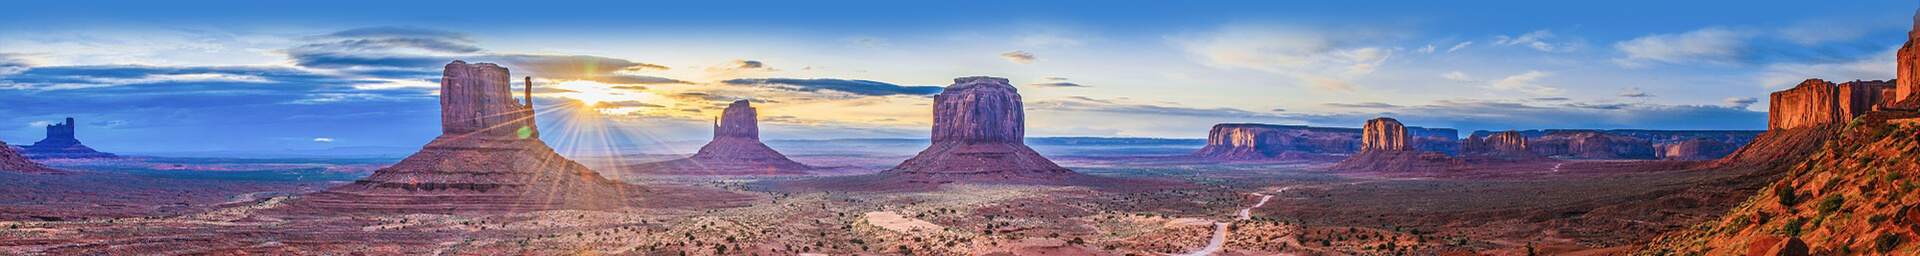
(61, 144)
(1587, 144)
(1385, 149)
(1267, 142)
(735, 150)
(14, 162)
(489, 159)
(1508, 145)
(1698, 149)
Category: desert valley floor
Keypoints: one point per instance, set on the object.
(232, 206)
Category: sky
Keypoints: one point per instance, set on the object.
(249, 76)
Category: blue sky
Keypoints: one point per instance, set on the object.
(159, 77)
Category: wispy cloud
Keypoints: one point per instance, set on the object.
(859, 87)
(1021, 57)
(1324, 58)
(1713, 45)
(1527, 82)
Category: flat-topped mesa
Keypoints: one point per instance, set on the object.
(735, 150)
(61, 143)
(477, 99)
(978, 132)
(1241, 141)
(490, 160)
(1384, 134)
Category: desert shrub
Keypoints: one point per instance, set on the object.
(1785, 195)
(1792, 227)
(1886, 242)
(1830, 203)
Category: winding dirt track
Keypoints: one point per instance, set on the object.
(1219, 240)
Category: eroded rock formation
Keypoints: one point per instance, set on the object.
(978, 128)
(1908, 63)
(735, 150)
(1385, 149)
(61, 143)
(1592, 145)
(1243, 141)
(490, 159)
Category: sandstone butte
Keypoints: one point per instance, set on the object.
(61, 143)
(1246, 141)
(735, 150)
(1385, 149)
(979, 130)
(490, 159)
(1697, 149)
(1801, 119)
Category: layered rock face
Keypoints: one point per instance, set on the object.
(14, 162)
(1384, 134)
(1908, 61)
(1816, 102)
(1592, 145)
(1697, 149)
(489, 159)
(1385, 149)
(61, 143)
(978, 128)
(1736, 137)
(735, 150)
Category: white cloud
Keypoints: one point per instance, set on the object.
(1526, 82)
(1713, 45)
(322, 139)
(1458, 46)
(1871, 67)
(1537, 41)
(1427, 49)
(1324, 58)
(1458, 76)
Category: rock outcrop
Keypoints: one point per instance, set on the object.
(978, 132)
(1509, 144)
(14, 162)
(735, 150)
(61, 143)
(1736, 137)
(1697, 149)
(1385, 149)
(490, 159)
(1592, 145)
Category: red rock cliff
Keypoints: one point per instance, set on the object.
(477, 98)
(1589, 144)
(1908, 61)
(1816, 102)
(735, 150)
(1267, 142)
